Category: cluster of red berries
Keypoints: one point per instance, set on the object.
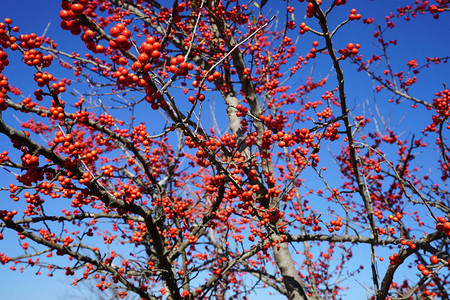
(350, 50)
(33, 200)
(69, 271)
(60, 138)
(395, 259)
(69, 15)
(210, 78)
(6, 40)
(43, 79)
(442, 103)
(178, 66)
(30, 41)
(30, 161)
(39, 94)
(423, 269)
(337, 224)
(4, 157)
(107, 120)
(325, 114)
(443, 225)
(397, 217)
(340, 2)
(354, 15)
(3, 59)
(241, 110)
(314, 222)
(303, 28)
(284, 139)
(57, 113)
(124, 77)
(73, 26)
(108, 170)
(59, 87)
(67, 240)
(82, 116)
(149, 50)
(86, 178)
(409, 244)
(310, 9)
(332, 132)
(4, 87)
(79, 103)
(122, 37)
(88, 38)
(7, 215)
(37, 58)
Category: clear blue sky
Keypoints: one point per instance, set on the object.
(416, 39)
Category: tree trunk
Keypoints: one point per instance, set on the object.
(291, 278)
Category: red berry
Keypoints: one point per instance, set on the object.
(143, 57)
(65, 14)
(121, 39)
(156, 54)
(77, 8)
(180, 59)
(434, 259)
(446, 226)
(126, 33)
(99, 48)
(115, 31)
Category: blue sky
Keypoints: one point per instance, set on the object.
(415, 39)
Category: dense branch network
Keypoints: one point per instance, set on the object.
(144, 196)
